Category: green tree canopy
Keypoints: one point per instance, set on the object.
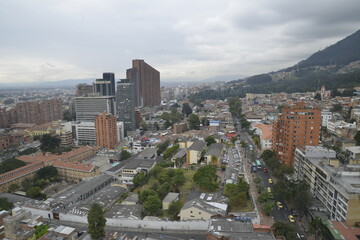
(162, 147)
(206, 178)
(49, 143)
(186, 109)
(96, 221)
(48, 172)
(194, 121)
(210, 140)
(10, 164)
(5, 204)
(174, 209)
(357, 138)
(152, 205)
(285, 229)
(124, 154)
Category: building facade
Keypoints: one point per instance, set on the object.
(83, 90)
(87, 108)
(39, 112)
(147, 83)
(106, 85)
(125, 104)
(106, 131)
(335, 186)
(297, 125)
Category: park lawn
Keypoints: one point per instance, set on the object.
(189, 183)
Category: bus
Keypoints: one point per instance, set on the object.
(258, 164)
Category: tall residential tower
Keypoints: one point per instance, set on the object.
(297, 125)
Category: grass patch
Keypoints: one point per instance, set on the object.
(188, 185)
(147, 186)
(248, 208)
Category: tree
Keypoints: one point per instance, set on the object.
(140, 179)
(285, 229)
(357, 138)
(48, 172)
(233, 140)
(162, 147)
(244, 144)
(283, 170)
(13, 187)
(194, 121)
(206, 178)
(35, 192)
(319, 229)
(5, 204)
(10, 164)
(336, 108)
(143, 196)
(49, 143)
(26, 183)
(186, 109)
(163, 190)
(144, 126)
(67, 116)
(174, 209)
(210, 140)
(152, 205)
(124, 154)
(96, 221)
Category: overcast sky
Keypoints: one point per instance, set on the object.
(47, 40)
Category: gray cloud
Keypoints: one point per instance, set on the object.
(54, 40)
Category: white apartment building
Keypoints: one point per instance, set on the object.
(325, 117)
(336, 187)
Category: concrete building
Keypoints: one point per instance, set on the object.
(354, 155)
(335, 186)
(297, 125)
(85, 133)
(326, 115)
(7, 117)
(106, 85)
(106, 130)
(194, 152)
(214, 153)
(83, 90)
(125, 103)
(39, 112)
(147, 83)
(87, 108)
(179, 128)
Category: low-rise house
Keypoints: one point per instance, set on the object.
(214, 153)
(202, 206)
(170, 197)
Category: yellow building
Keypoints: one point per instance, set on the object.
(194, 152)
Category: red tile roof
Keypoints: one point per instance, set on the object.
(74, 166)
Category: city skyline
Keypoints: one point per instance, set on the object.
(188, 41)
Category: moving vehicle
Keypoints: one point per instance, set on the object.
(270, 180)
(279, 205)
(269, 189)
(253, 168)
(258, 164)
(291, 218)
(265, 170)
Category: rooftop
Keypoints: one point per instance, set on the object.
(125, 211)
(171, 196)
(197, 146)
(215, 149)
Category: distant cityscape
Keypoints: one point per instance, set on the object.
(162, 164)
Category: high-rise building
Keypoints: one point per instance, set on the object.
(40, 112)
(7, 117)
(106, 85)
(125, 103)
(106, 130)
(87, 108)
(83, 89)
(297, 125)
(147, 83)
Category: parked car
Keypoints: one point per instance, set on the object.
(270, 180)
(265, 170)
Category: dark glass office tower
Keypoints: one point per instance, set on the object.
(125, 103)
(106, 85)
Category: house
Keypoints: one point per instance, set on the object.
(170, 197)
(202, 206)
(194, 152)
(214, 153)
(135, 166)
